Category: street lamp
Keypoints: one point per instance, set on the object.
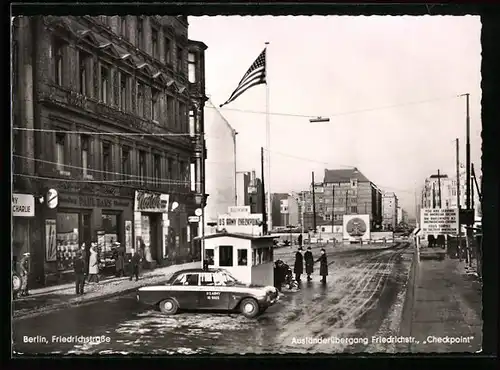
(235, 180)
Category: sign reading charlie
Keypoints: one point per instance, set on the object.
(150, 202)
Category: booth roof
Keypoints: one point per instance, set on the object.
(238, 236)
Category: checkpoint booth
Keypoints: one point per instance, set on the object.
(249, 258)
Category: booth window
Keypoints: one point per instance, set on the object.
(267, 255)
(242, 257)
(259, 256)
(209, 255)
(226, 255)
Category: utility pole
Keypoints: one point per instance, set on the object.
(467, 171)
(263, 197)
(458, 172)
(477, 185)
(439, 189)
(314, 203)
(472, 191)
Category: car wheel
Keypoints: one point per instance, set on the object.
(249, 307)
(168, 307)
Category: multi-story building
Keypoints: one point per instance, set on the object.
(108, 116)
(220, 167)
(389, 211)
(285, 210)
(399, 215)
(249, 191)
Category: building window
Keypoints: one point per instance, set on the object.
(226, 255)
(155, 104)
(110, 228)
(242, 257)
(192, 123)
(192, 67)
(170, 111)
(123, 27)
(123, 91)
(168, 51)
(140, 99)
(58, 48)
(192, 169)
(157, 170)
(180, 116)
(125, 168)
(179, 60)
(60, 149)
(139, 33)
(83, 59)
(67, 238)
(106, 160)
(182, 173)
(85, 148)
(354, 209)
(142, 167)
(154, 42)
(170, 169)
(105, 84)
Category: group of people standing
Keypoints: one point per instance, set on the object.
(309, 261)
(84, 265)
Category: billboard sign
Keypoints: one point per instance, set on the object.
(242, 224)
(356, 227)
(439, 221)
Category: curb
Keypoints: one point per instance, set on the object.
(60, 306)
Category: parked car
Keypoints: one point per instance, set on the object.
(212, 289)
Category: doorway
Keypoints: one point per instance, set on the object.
(151, 227)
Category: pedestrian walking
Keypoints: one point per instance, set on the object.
(119, 260)
(79, 268)
(298, 267)
(309, 262)
(135, 262)
(93, 264)
(323, 266)
(24, 270)
(299, 239)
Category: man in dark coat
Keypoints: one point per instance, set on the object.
(309, 261)
(300, 240)
(119, 260)
(24, 271)
(298, 267)
(135, 262)
(323, 266)
(79, 268)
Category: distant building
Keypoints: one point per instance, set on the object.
(249, 191)
(285, 210)
(389, 210)
(353, 192)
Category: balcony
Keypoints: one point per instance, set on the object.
(67, 98)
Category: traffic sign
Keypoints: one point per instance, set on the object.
(193, 219)
(52, 198)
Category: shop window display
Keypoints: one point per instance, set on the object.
(110, 228)
(67, 239)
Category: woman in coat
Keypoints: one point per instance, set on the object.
(93, 264)
(298, 267)
(323, 266)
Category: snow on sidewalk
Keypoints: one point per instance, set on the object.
(49, 299)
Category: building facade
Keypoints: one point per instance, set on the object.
(108, 130)
(249, 191)
(220, 167)
(390, 211)
(285, 210)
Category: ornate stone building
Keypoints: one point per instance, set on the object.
(108, 112)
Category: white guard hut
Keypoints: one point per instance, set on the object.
(249, 258)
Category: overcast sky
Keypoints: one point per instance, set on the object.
(337, 67)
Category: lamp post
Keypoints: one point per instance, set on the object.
(235, 181)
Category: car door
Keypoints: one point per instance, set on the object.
(211, 297)
(186, 290)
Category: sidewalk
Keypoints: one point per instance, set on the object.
(57, 297)
(445, 301)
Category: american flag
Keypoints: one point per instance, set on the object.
(255, 75)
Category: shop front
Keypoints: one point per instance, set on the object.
(23, 213)
(151, 226)
(84, 218)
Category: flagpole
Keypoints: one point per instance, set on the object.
(268, 146)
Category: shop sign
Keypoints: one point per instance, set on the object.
(150, 202)
(23, 205)
(89, 201)
(193, 219)
(249, 224)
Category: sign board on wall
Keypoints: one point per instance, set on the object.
(439, 221)
(248, 224)
(91, 201)
(150, 202)
(50, 241)
(356, 227)
(23, 205)
(241, 210)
